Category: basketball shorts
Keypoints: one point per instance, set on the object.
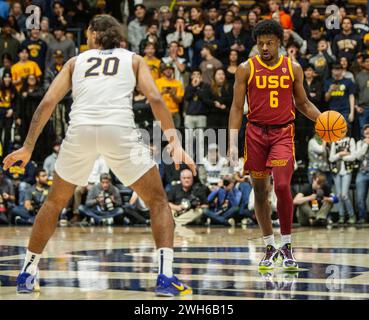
(266, 148)
(122, 148)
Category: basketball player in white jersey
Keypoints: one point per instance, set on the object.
(102, 80)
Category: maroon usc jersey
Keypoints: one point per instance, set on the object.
(270, 92)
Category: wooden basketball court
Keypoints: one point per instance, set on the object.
(219, 263)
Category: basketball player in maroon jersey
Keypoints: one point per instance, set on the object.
(273, 85)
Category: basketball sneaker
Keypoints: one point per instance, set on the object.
(269, 259)
(288, 260)
(171, 287)
(28, 283)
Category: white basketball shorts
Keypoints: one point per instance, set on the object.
(123, 149)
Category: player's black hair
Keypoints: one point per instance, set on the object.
(109, 31)
(268, 27)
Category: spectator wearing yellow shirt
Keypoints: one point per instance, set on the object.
(152, 61)
(25, 67)
(172, 92)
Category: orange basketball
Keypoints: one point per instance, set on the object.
(331, 126)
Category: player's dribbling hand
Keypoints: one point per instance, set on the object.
(180, 156)
(23, 155)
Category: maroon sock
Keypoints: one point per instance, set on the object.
(282, 186)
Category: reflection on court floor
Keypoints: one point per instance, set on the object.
(119, 263)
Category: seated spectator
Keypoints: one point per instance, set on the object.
(209, 64)
(215, 167)
(59, 18)
(316, 34)
(37, 48)
(284, 18)
(137, 28)
(103, 202)
(36, 195)
(7, 197)
(197, 24)
(318, 154)
(60, 42)
(172, 92)
(301, 19)
(224, 203)
(221, 97)
(347, 43)
(323, 60)
(16, 32)
(214, 20)
(183, 38)
(226, 24)
(46, 35)
(18, 14)
(208, 39)
(362, 178)
(340, 94)
(24, 68)
(187, 200)
(362, 85)
(342, 157)
(8, 106)
(360, 24)
(292, 37)
(100, 168)
(198, 98)
(313, 86)
(237, 39)
(6, 62)
(49, 163)
(175, 60)
(232, 66)
(165, 22)
(314, 201)
(7, 43)
(79, 13)
(136, 212)
(347, 74)
(152, 61)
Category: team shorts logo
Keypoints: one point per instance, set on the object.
(279, 163)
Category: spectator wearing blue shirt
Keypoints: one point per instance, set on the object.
(37, 48)
(4, 10)
(224, 203)
(339, 93)
(208, 39)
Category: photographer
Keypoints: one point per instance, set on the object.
(314, 201)
(103, 202)
(187, 200)
(224, 203)
(34, 198)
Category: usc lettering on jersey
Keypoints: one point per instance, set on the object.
(270, 92)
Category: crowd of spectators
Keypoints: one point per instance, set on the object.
(193, 54)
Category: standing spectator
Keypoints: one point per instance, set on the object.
(314, 201)
(252, 20)
(232, 65)
(103, 202)
(323, 60)
(137, 28)
(213, 19)
(339, 93)
(362, 84)
(226, 25)
(197, 23)
(59, 18)
(24, 68)
(45, 32)
(209, 64)
(318, 154)
(236, 39)
(224, 203)
(165, 25)
(19, 15)
(187, 200)
(7, 63)
(362, 178)
(342, 157)
(37, 48)
(153, 37)
(284, 18)
(4, 9)
(316, 33)
(222, 95)
(49, 163)
(301, 19)
(172, 92)
(100, 167)
(208, 39)
(178, 63)
(347, 74)
(184, 38)
(313, 86)
(360, 24)
(7, 43)
(78, 13)
(7, 197)
(152, 61)
(15, 31)
(60, 42)
(8, 104)
(197, 96)
(35, 196)
(347, 43)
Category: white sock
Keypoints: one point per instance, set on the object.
(31, 262)
(165, 261)
(285, 238)
(269, 240)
